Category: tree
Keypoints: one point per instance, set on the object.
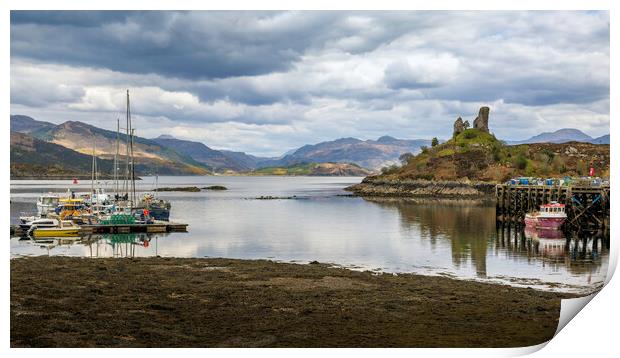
(466, 125)
(405, 157)
(434, 142)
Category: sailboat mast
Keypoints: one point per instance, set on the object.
(92, 172)
(118, 129)
(126, 181)
(133, 171)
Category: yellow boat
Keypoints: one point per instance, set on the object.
(64, 229)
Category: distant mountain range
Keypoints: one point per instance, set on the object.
(168, 155)
(83, 138)
(217, 160)
(562, 136)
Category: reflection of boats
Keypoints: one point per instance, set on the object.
(550, 216)
(551, 242)
(543, 233)
(64, 229)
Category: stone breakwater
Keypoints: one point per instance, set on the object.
(371, 186)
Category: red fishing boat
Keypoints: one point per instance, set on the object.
(550, 216)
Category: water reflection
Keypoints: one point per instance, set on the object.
(471, 230)
(457, 238)
(96, 245)
(464, 223)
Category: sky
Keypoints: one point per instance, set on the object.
(268, 82)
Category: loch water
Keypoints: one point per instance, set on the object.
(313, 218)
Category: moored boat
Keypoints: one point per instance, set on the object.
(550, 216)
(46, 203)
(65, 228)
(30, 222)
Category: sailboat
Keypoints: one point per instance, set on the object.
(148, 206)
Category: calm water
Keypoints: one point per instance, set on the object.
(394, 235)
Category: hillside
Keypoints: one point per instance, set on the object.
(25, 124)
(470, 164)
(150, 156)
(31, 157)
(216, 160)
(479, 156)
(604, 139)
(365, 153)
(314, 169)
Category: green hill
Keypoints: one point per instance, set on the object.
(479, 156)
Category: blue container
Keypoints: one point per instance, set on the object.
(549, 181)
(524, 181)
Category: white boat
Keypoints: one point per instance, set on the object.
(47, 203)
(29, 222)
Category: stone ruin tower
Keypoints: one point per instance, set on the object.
(458, 126)
(481, 122)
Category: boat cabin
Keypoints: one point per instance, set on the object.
(553, 208)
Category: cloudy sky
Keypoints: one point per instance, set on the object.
(267, 82)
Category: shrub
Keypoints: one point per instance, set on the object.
(520, 162)
(434, 142)
(470, 134)
(405, 158)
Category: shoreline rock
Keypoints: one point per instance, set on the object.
(215, 187)
(193, 189)
(421, 188)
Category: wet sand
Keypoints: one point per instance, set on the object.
(174, 302)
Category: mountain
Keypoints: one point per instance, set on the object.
(150, 156)
(25, 124)
(560, 136)
(315, 169)
(604, 139)
(32, 157)
(217, 160)
(369, 154)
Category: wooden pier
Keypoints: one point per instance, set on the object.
(587, 207)
(156, 227)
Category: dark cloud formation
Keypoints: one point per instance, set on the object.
(286, 76)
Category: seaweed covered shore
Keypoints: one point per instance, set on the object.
(175, 302)
(378, 186)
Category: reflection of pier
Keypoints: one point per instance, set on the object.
(578, 254)
(587, 207)
(122, 245)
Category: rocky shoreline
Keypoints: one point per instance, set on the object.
(377, 186)
(176, 302)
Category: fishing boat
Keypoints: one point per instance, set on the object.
(550, 216)
(158, 209)
(65, 228)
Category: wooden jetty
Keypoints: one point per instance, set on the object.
(587, 207)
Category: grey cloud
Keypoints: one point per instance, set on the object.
(363, 72)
